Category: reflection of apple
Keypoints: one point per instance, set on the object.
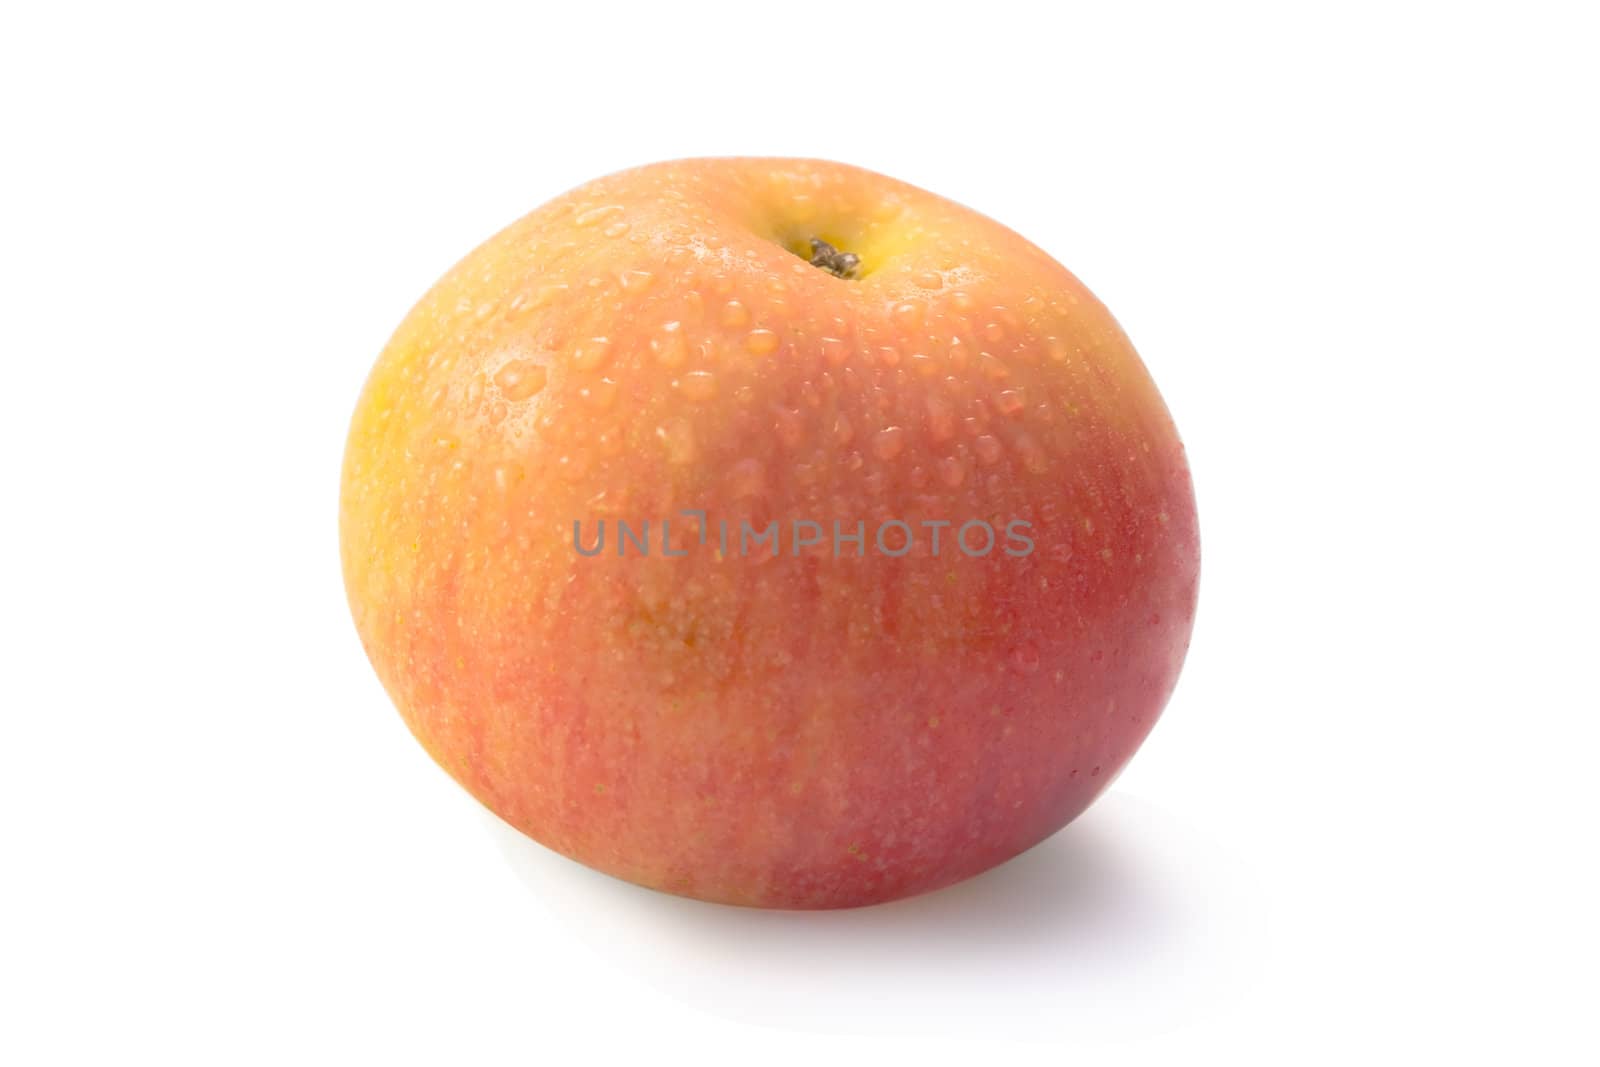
(788, 721)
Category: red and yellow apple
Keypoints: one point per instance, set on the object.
(663, 524)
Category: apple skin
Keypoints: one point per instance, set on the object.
(771, 729)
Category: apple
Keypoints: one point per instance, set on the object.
(770, 531)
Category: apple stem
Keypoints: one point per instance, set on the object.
(837, 263)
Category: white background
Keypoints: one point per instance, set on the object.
(1357, 245)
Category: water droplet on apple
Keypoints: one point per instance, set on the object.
(592, 353)
(601, 394)
(843, 432)
(698, 385)
(597, 214)
(888, 442)
(670, 348)
(572, 466)
(941, 418)
(788, 426)
(1031, 453)
(908, 315)
(677, 436)
(546, 295)
(520, 379)
(506, 475)
(992, 368)
(761, 342)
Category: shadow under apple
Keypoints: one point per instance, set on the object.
(1127, 921)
